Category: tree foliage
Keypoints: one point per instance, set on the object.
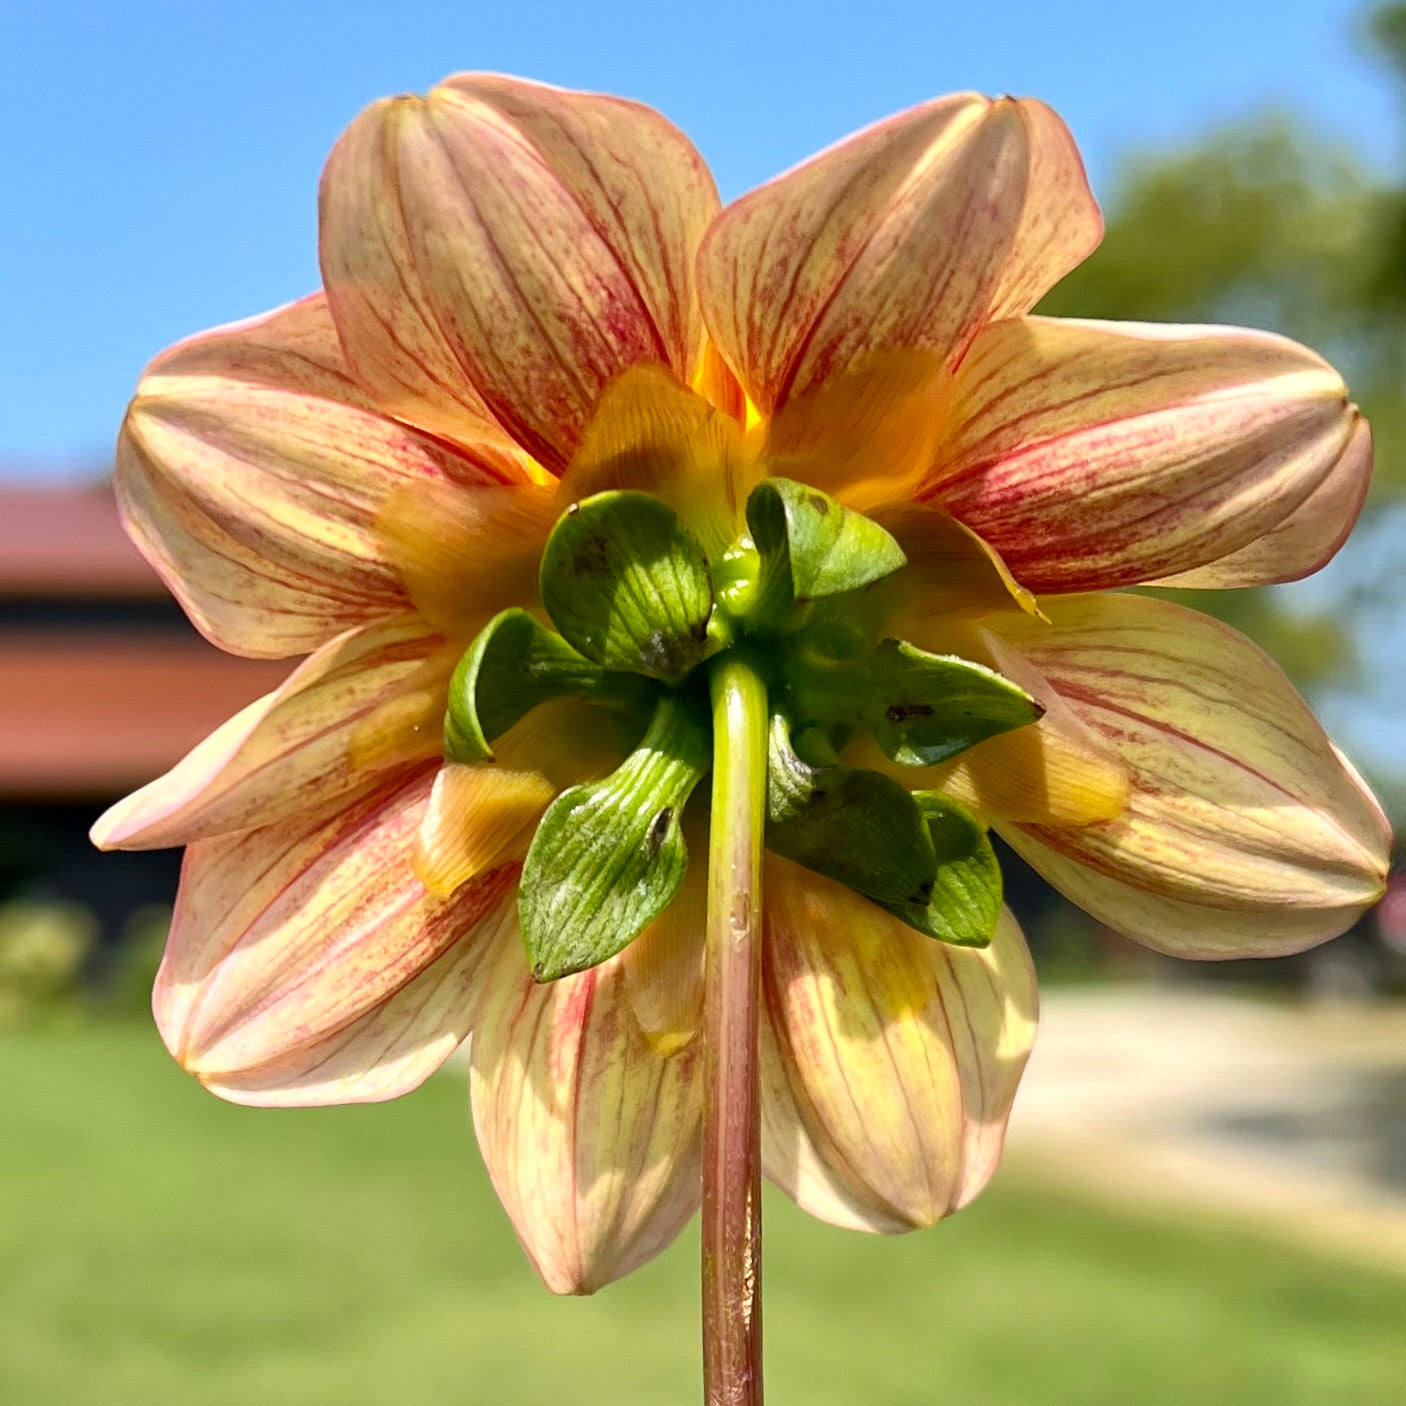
(1265, 224)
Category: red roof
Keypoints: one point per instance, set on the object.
(94, 710)
(92, 715)
(68, 542)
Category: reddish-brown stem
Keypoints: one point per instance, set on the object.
(732, 1227)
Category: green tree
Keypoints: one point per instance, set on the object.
(1265, 225)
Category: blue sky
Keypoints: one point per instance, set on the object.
(161, 159)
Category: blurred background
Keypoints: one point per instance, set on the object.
(1205, 1197)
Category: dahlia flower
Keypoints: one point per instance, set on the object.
(560, 443)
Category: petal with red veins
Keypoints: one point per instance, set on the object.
(913, 233)
(366, 705)
(590, 1135)
(1305, 541)
(894, 1060)
(1245, 834)
(285, 935)
(1099, 454)
(250, 471)
(390, 1050)
(503, 249)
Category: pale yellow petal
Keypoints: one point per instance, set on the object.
(390, 1050)
(285, 935)
(250, 471)
(868, 435)
(1308, 539)
(501, 250)
(913, 233)
(901, 1055)
(664, 964)
(1102, 454)
(464, 556)
(485, 814)
(1245, 834)
(364, 706)
(950, 572)
(590, 1136)
(654, 435)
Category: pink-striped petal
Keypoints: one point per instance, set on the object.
(901, 1055)
(591, 1136)
(1245, 834)
(250, 471)
(913, 233)
(390, 1050)
(366, 705)
(502, 249)
(1094, 455)
(285, 935)
(1305, 541)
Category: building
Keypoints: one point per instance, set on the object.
(103, 685)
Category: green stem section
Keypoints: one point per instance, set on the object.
(732, 1305)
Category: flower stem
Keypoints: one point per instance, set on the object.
(732, 1307)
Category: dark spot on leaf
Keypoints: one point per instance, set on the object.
(591, 558)
(901, 712)
(658, 829)
(819, 503)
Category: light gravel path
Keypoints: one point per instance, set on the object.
(1290, 1117)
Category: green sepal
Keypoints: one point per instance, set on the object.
(858, 827)
(813, 546)
(628, 585)
(608, 856)
(922, 708)
(514, 664)
(967, 892)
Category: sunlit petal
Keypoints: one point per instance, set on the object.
(589, 1134)
(250, 471)
(390, 1050)
(913, 233)
(664, 964)
(501, 250)
(1306, 540)
(1094, 455)
(484, 814)
(364, 706)
(1244, 835)
(901, 1054)
(284, 935)
(463, 557)
(654, 435)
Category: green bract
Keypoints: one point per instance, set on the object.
(856, 826)
(609, 856)
(965, 901)
(922, 708)
(629, 586)
(820, 547)
(514, 665)
(643, 614)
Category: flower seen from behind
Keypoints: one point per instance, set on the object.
(537, 317)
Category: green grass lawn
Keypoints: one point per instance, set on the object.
(159, 1247)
